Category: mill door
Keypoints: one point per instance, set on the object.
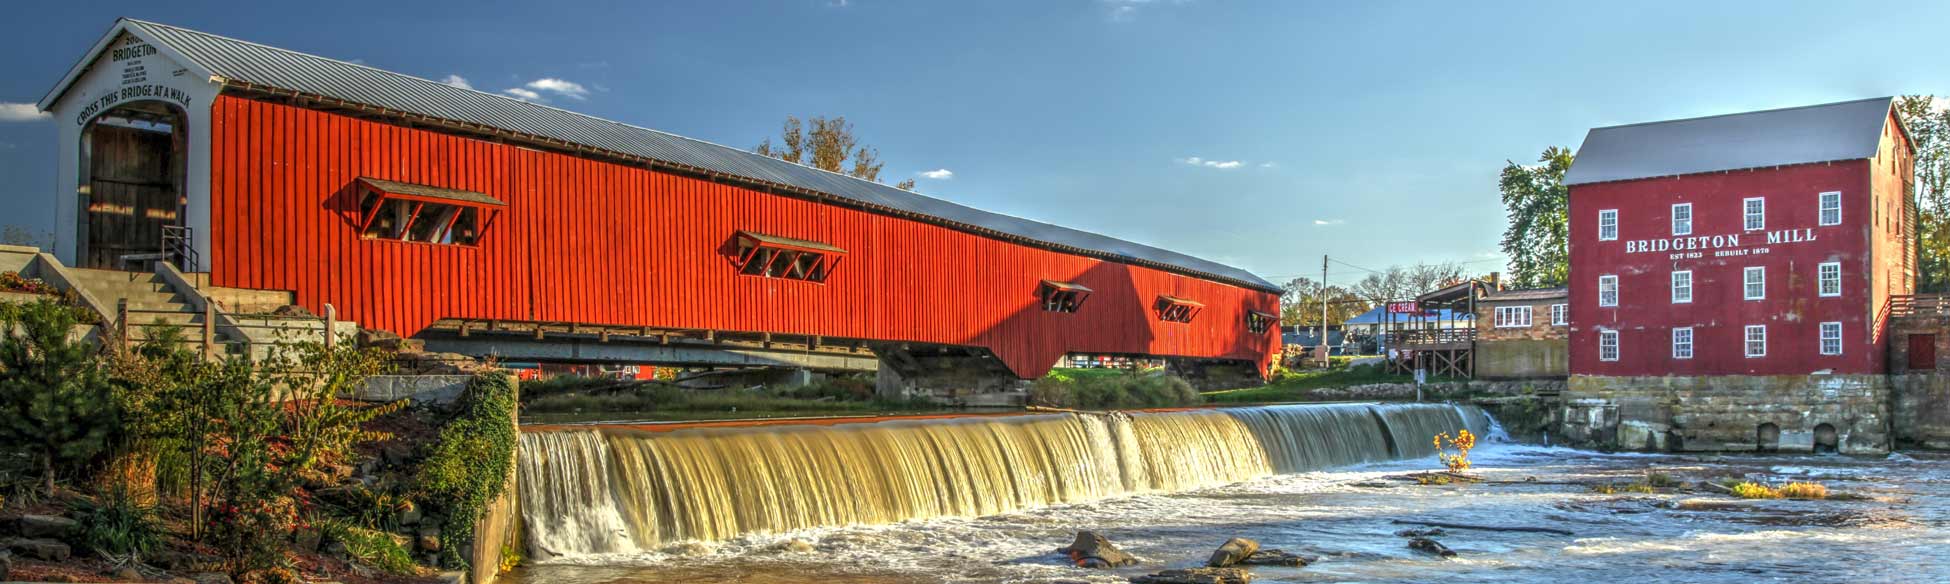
(1922, 352)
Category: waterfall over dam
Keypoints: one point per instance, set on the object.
(611, 489)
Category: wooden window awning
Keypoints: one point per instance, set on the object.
(429, 194)
(1169, 299)
(398, 211)
(1259, 322)
(789, 243)
(1062, 296)
(771, 256)
(1175, 309)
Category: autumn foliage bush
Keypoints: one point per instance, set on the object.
(1458, 460)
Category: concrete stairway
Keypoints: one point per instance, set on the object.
(152, 304)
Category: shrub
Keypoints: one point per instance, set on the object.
(1803, 491)
(1604, 489)
(371, 547)
(1661, 480)
(1462, 443)
(117, 524)
(1109, 389)
(59, 401)
(469, 463)
(1753, 490)
(1641, 488)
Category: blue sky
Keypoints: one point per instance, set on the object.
(1259, 134)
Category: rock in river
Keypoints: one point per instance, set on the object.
(1093, 551)
(1197, 576)
(1276, 558)
(1430, 546)
(1234, 551)
(1423, 532)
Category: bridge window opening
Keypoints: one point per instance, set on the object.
(423, 214)
(768, 256)
(1061, 296)
(1174, 309)
(1259, 322)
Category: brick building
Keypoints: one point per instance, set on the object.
(1730, 277)
(1523, 334)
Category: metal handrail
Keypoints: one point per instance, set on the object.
(179, 248)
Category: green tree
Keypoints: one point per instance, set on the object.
(827, 144)
(1538, 203)
(56, 401)
(1928, 121)
(1300, 303)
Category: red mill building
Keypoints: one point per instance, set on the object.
(1729, 277)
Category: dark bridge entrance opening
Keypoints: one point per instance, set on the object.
(131, 191)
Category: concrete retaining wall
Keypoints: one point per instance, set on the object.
(437, 389)
(500, 528)
(1730, 413)
(1522, 359)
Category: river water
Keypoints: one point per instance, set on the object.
(1899, 532)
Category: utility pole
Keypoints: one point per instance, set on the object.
(1323, 311)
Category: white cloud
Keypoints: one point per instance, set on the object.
(1218, 164)
(568, 89)
(1126, 10)
(1267, 165)
(521, 94)
(938, 174)
(1329, 221)
(457, 81)
(21, 112)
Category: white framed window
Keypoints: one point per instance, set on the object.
(1513, 316)
(1828, 279)
(1755, 210)
(1560, 314)
(1607, 345)
(1682, 219)
(1608, 225)
(1831, 338)
(1682, 342)
(1682, 286)
(1756, 340)
(1608, 290)
(1753, 282)
(1831, 208)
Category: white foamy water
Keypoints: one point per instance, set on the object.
(1343, 515)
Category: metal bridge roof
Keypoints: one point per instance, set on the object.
(1848, 130)
(242, 61)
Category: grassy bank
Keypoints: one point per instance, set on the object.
(568, 399)
(1294, 386)
(1111, 389)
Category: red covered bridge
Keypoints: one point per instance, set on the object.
(493, 224)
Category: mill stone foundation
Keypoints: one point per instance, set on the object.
(1850, 414)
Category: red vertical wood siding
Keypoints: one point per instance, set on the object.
(601, 243)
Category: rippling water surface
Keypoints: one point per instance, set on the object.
(1900, 534)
